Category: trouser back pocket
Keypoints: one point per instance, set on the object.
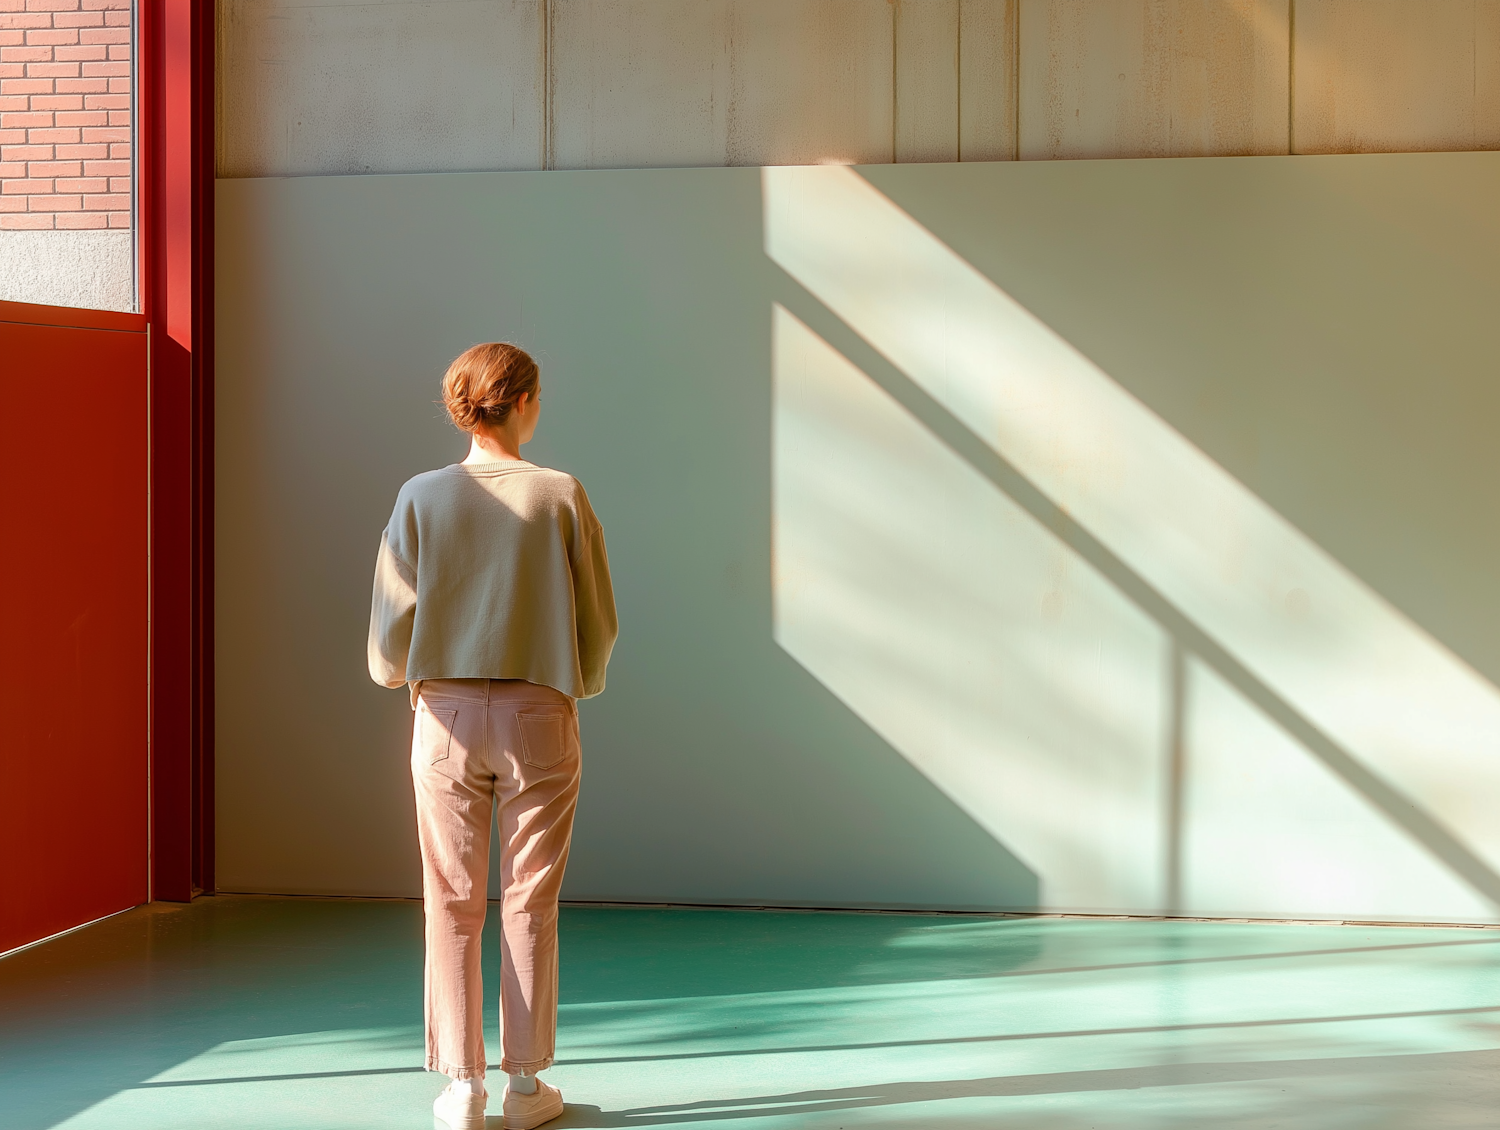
(544, 737)
(435, 733)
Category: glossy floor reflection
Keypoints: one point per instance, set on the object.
(243, 1012)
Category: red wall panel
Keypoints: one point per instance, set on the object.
(74, 775)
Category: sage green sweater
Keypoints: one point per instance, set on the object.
(493, 571)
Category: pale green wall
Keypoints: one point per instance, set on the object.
(1317, 326)
(716, 769)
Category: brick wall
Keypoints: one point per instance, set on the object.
(65, 146)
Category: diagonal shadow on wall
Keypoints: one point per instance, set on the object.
(1189, 639)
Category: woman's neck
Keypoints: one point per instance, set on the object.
(493, 448)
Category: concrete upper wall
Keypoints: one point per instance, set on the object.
(350, 86)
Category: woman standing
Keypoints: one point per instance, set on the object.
(493, 604)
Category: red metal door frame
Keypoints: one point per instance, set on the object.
(175, 131)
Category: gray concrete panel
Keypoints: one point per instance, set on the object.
(1399, 76)
(379, 86)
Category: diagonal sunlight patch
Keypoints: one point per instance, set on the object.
(1013, 677)
(1270, 832)
(1029, 690)
(366, 1077)
(364, 1050)
(1399, 718)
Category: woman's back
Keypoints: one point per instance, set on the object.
(493, 570)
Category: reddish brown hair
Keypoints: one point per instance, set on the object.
(485, 381)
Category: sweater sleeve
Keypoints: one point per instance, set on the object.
(594, 604)
(393, 611)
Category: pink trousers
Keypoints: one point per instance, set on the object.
(477, 743)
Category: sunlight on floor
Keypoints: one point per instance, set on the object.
(771, 1019)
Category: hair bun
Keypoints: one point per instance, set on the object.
(485, 381)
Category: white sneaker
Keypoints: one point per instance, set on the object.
(522, 1112)
(461, 1112)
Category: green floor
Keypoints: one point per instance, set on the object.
(242, 1012)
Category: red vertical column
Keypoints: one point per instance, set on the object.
(176, 221)
(203, 172)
